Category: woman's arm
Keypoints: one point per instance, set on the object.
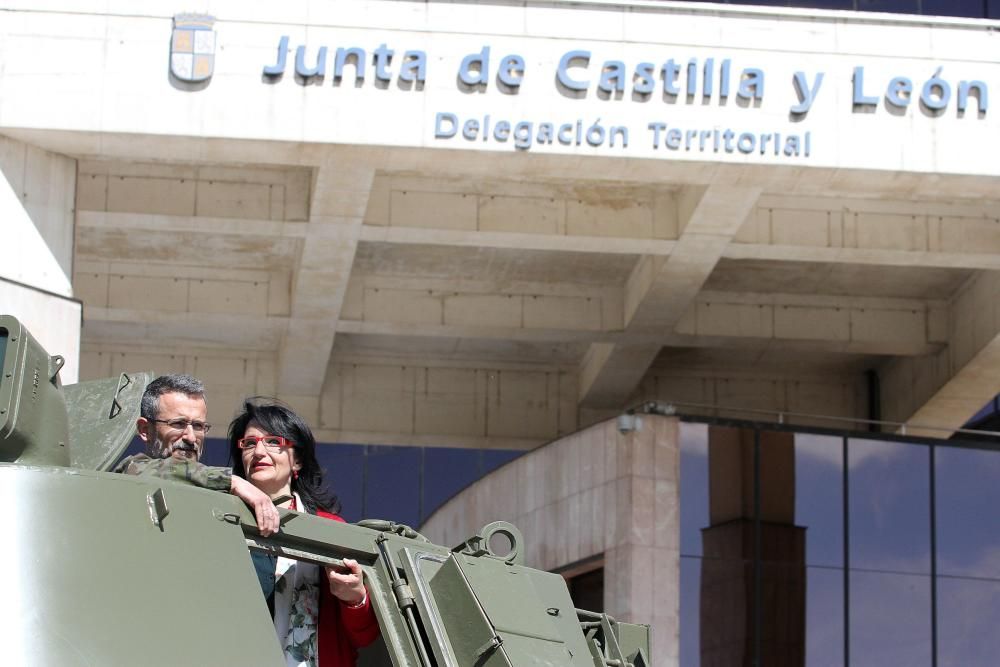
(358, 619)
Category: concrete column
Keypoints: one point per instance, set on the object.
(340, 197)
(642, 561)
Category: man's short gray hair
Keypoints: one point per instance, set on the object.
(166, 384)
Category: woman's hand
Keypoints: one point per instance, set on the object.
(268, 521)
(347, 586)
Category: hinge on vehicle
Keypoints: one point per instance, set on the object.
(404, 594)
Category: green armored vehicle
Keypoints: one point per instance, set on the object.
(109, 569)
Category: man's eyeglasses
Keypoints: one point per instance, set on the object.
(273, 443)
(182, 424)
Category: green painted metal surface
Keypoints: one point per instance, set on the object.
(93, 581)
(102, 414)
(33, 420)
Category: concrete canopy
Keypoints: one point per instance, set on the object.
(322, 244)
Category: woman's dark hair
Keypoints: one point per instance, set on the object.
(275, 418)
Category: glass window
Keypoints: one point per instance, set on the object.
(690, 612)
(993, 406)
(717, 532)
(895, 6)
(824, 631)
(725, 598)
(993, 9)
(344, 466)
(392, 483)
(968, 617)
(216, 452)
(494, 458)
(819, 497)
(968, 8)
(968, 538)
(889, 491)
(801, 499)
(890, 617)
(825, 4)
(446, 472)
(694, 486)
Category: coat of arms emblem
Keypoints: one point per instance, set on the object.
(192, 47)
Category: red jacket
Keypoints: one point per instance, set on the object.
(342, 630)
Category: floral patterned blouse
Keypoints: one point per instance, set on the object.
(296, 608)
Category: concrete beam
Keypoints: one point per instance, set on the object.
(147, 222)
(972, 387)
(178, 330)
(102, 226)
(651, 248)
(611, 374)
(921, 232)
(498, 333)
(515, 241)
(946, 389)
(862, 325)
(900, 347)
(659, 290)
(778, 247)
(711, 218)
(405, 305)
(204, 247)
(404, 308)
(863, 256)
(340, 197)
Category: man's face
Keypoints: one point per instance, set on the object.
(165, 441)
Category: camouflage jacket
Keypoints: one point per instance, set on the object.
(190, 472)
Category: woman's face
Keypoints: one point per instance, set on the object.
(270, 471)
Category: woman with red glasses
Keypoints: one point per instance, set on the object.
(322, 615)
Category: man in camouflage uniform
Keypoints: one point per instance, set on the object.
(173, 426)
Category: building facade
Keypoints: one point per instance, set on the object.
(450, 232)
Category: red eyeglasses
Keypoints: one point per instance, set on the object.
(274, 443)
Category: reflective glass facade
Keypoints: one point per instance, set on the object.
(977, 9)
(824, 549)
